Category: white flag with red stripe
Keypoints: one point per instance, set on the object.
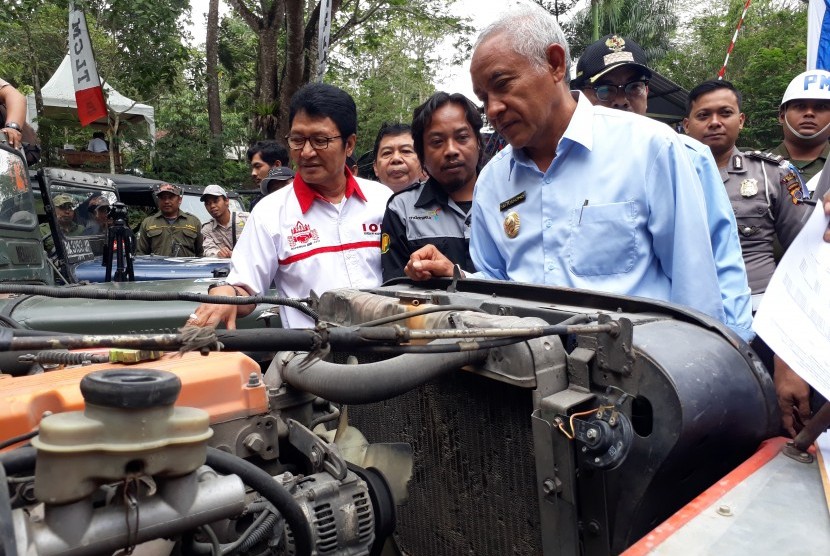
(89, 94)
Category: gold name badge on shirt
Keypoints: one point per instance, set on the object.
(749, 187)
(512, 224)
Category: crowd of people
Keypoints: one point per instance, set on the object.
(588, 193)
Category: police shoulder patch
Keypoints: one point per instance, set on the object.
(765, 156)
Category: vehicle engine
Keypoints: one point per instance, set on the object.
(524, 420)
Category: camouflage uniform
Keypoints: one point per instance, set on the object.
(765, 191)
(182, 238)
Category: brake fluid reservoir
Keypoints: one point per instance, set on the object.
(128, 428)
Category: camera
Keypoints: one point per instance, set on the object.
(118, 211)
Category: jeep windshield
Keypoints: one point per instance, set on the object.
(82, 218)
(17, 208)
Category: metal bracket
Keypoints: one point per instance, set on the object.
(615, 352)
(323, 456)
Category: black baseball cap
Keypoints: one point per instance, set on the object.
(611, 51)
(278, 174)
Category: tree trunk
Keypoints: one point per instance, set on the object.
(293, 80)
(212, 63)
(268, 81)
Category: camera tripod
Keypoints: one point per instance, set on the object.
(121, 243)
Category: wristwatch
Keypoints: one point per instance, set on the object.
(11, 125)
(223, 283)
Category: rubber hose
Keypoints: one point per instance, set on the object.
(19, 460)
(271, 490)
(373, 382)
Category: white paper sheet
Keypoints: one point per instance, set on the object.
(794, 316)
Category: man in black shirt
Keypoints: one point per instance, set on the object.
(446, 130)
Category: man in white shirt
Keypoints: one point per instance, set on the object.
(319, 233)
(98, 143)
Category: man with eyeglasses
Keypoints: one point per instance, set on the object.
(319, 233)
(613, 72)
(584, 196)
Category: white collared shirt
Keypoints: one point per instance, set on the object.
(319, 248)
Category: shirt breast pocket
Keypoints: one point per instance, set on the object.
(190, 233)
(603, 239)
(154, 232)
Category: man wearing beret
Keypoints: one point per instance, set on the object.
(170, 231)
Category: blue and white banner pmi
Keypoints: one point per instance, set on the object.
(323, 33)
(818, 35)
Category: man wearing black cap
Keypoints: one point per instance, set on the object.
(612, 72)
(278, 177)
(170, 231)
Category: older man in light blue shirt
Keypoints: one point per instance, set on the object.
(611, 215)
(585, 196)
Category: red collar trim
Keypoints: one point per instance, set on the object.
(306, 195)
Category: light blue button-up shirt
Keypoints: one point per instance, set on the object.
(620, 210)
(723, 233)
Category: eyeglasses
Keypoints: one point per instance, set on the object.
(100, 208)
(318, 143)
(633, 89)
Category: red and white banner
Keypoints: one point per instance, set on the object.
(88, 92)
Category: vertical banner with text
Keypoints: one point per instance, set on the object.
(818, 35)
(89, 94)
(323, 34)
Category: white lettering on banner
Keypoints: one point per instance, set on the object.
(323, 33)
(83, 67)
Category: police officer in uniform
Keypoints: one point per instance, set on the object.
(170, 231)
(805, 119)
(765, 190)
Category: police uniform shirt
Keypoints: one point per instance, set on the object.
(419, 215)
(765, 192)
(181, 238)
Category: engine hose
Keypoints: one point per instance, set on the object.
(270, 489)
(116, 295)
(260, 533)
(18, 461)
(372, 382)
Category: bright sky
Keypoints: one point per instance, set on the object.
(453, 79)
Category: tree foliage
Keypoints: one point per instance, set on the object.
(286, 32)
(649, 22)
(390, 67)
(770, 50)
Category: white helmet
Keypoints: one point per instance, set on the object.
(812, 84)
